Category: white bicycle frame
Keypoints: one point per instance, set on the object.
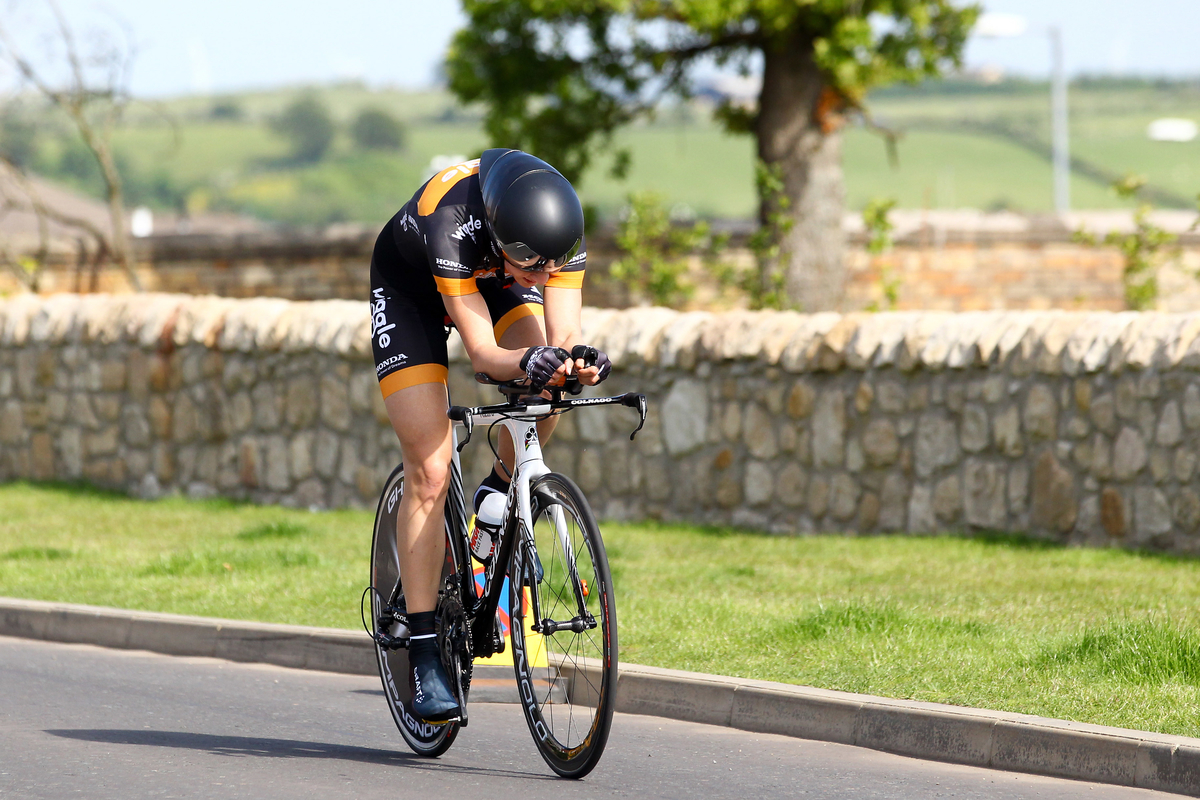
(520, 417)
(528, 465)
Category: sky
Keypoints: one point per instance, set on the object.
(214, 46)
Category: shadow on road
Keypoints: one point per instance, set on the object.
(278, 748)
(240, 745)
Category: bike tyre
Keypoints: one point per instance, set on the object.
(422, 737)
(576, 673)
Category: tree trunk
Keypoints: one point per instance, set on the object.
(798, 134)
(116, 211)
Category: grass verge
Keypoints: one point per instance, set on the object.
(1103, 636)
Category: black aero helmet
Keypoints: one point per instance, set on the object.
(532, 211)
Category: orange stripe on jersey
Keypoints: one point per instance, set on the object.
(412, 376)
(520, 312)
(443, 182)
(455, 287)
(566, 280)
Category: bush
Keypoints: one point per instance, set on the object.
(376, 129)
(308, 126)
(655, 250)
(77, 164)
(18, 137)
(227, 109)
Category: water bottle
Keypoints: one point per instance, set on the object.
(486, 536)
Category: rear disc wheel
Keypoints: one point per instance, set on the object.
(424, 738)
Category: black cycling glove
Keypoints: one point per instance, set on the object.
(541, 362)
(593, 358)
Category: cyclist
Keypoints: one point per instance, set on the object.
(493, 247)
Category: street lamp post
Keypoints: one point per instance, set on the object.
(1058, 105)
(1004, 26)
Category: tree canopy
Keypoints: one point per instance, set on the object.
(557, 75)
(309, 128)
(376, 129)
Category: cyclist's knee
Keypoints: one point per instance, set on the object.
(426, 481)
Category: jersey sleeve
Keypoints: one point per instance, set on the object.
(454, 242)
(571, 276)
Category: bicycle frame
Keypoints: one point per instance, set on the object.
(468, 622)
(520, 419)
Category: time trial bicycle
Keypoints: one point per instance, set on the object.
(551, 568)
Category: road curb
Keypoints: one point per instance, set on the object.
(996, 739)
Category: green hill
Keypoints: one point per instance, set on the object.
(962, 144)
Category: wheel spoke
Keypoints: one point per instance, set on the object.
(573, 711)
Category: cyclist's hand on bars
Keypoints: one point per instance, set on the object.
(591, 365)
(544, 363)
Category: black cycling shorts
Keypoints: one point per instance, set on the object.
(409, 324)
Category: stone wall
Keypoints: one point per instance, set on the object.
(1074, 426)
(943, 261)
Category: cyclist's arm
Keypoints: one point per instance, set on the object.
(562, 309)
(470, 315)
(452, 235)
(563, 328)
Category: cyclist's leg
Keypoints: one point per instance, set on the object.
(409, 345)
(418, 416)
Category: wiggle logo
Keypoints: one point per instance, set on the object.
(459, 170)
(468, 228)
(379, 323)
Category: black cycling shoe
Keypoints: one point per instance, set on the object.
(433, 696)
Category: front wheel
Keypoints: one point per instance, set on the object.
(564, 628)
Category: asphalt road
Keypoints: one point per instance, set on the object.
(77, 720)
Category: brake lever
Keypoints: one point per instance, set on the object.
(459, 414)
(637, 401)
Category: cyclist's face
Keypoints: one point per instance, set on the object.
(527, 278)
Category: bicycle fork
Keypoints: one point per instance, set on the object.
(583, 620)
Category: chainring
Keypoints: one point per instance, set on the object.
(454, 634)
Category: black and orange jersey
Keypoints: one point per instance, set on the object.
(442, 229)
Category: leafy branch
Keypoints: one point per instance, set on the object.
(657, 251)
(765, 284)
(878, 223)
(1141, 249)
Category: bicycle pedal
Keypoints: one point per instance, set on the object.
(440, 722)
(390, 642)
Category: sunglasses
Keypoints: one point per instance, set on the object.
(524, 258)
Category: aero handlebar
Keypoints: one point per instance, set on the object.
(521, 403)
